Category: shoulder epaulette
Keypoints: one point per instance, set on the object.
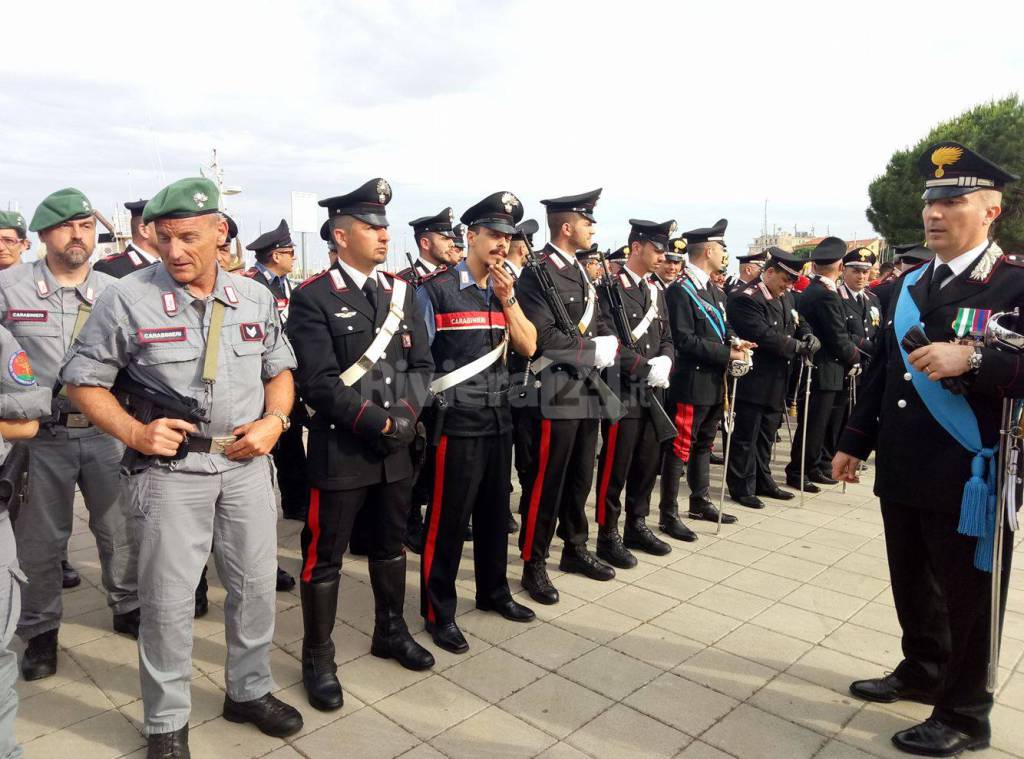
(314, 278)
(250, 273)
(436, 272)
(112, 257)
(1014, 259)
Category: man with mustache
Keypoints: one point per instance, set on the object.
(45, 305)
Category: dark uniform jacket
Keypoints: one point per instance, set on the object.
(883, 291)
(121, 264)
(560, 391)
(418, 271)
(282, 292)
(822, 308)
(701, 354)
(330, 327)
(628, 377)
(466, 323)
(919, 464)
(776, 327)
(863, 318)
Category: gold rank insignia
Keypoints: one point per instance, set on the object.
(945, 156)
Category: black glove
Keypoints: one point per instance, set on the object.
(401, 435)
(812, 343)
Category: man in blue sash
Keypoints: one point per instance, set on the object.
(935, 474)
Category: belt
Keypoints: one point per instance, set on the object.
(72, 420)
(464, 396)
(196, 444)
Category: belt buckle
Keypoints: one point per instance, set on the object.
(219, 444)
(77, 422)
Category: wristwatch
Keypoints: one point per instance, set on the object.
(511, 301)
(974, 360)
(286, 423)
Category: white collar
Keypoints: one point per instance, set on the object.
(637, 278)
(571, 260)
(963, 262)
(146, 258)
(517, 270)
(357, 277)
(426, 264)
(702, 277)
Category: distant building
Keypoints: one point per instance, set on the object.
(780, 238)
(876, 245)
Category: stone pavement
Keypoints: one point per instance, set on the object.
(739, 646)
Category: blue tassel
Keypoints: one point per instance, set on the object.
(983, 553)
(976, 492)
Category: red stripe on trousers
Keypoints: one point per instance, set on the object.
(606, 474)
(435, 519)
(538, 487)
(313, 520)
(684, 431)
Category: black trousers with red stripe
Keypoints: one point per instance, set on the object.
(471, 478)
(561, 475)
(383, 510)
(630, 458)
(696, 427)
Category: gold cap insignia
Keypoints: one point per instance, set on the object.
(945, 156)
(865, 255)
(679, 245)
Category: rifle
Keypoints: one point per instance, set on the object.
(664, 427)
(147, 404)
(417, 280)
(14, 481)
(614, 410)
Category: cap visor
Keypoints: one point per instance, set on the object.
(858, 265)
(937, 193)
(497, 226)
(373, 219)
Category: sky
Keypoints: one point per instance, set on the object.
(685, 111)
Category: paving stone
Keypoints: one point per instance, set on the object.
(102, 736)
(864, 643)
(494, 674)
(797, 623)
(55, 709)
(609, 672)
(596, 623)
(656, 646)
(750, 732)
(493, 733)
(681, 703)
(726, 673)
(556, 705)
(850, 583)
(764, 646)
(806, 704)
(694, 622)
(366, 734)
(760, 583)
(430, 706)
(677, 585)
(731, 602)
(831, 603)
(622, 731)
(372, 679)
(706, 567)
(637, 603)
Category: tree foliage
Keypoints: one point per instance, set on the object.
(994, 129)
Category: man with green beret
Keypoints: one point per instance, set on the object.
(202, 387)
(13, 240)
(45, 304)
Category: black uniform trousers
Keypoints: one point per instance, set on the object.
(557, 484)
(522, 440)
(942, 603)
(290, 461)
(696, 427)
(471, 477)
(630, 458)
(383, 509)
(750, 452)
(836, 425)
(822, 406)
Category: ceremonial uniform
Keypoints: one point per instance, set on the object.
(44, 317)
(774, 324)
(822, 308)
(941, 574)
(519, 370)
(21, 397)
(364, 365)
(158, 334)
(131, 258)
(630, 449)
(565, 409)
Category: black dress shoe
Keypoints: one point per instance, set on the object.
(774, 491)
(448, 636)
(509, 609)
(821, 478)
(69, 575)
(271, 715)
(128, 623)
(890, 688)
(40, 659)
(611, 549)
(577, 559)
(935, 738)
(537, 583)
(809, 487)
(638, 535)
(717, 460)
(672, 525)
(513, 525)
(285, 581)
(704, 510)
(168, 745)
(750, 501)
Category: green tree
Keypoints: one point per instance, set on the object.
(994, 129)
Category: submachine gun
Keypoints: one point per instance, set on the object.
(14, 481)
(613, 408)
(664, 427)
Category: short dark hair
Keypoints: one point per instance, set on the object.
(557, 219)
(264, 256)
(885, 267)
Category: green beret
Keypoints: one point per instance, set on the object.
(194, 196)
(63, 205)
(12, 220)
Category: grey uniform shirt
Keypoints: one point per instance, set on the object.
(154, 328)
(21, 395)
(41, 315)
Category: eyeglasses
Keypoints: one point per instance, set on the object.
(11, 242)
(286, 251)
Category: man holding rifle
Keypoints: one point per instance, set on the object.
(937, 452)
(630, 452)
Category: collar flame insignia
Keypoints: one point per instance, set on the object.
(945, 156)
(510, 201)
(383, 191)
(199, 199)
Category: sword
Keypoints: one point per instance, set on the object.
(803, 442)
(728, 423)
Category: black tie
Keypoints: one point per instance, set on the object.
(938, 277)
(370, 291)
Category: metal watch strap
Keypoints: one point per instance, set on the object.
(285, 421)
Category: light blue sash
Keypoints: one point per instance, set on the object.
(712, 314)
(954, 414)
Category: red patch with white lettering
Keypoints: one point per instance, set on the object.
(162, 335)
(251, 332)
(282, 303)
(27, 315)
(470, 320)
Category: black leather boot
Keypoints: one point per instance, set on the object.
(40, 659)
(611, 549)
(202, 602)
(576, 559)
(668, 509)
(537, 583)
(269, 714)
(168, 745)
(638, 535)
(128, 623)
(319, 672)
(391, 638)
(69, 577)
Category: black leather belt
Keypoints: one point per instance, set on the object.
(197, 444)
(465, 396)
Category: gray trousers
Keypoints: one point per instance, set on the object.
(56, 464)
(10, 607)
(177, 516)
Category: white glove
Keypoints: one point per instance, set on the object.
(660, 367)
(605, 349)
